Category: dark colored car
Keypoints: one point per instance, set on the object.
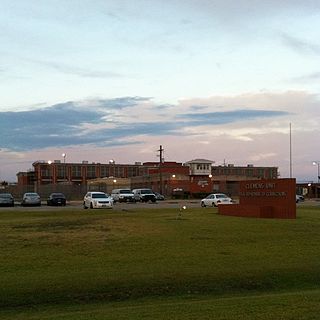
(56, 199)
(6, 200)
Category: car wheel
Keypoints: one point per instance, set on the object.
(84, 206)
(202, 204)
(91, 205)
(214, 204)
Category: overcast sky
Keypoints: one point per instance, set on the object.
(112, 79)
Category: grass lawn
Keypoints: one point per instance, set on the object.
(152, 264)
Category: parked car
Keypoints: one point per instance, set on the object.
(159, 196)
(122, 195)
(31, 199)
(299, 198)
(95, 200)
(56, 199)
(144, 195)
(214, 199)
(6, 200)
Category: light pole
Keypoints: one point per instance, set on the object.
(317, 163)
(112, 162)
(64, 166)
(50, 169)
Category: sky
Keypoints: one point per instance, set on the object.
(221, 80)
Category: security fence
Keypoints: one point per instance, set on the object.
(72, 192)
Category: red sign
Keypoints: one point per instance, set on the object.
(274, 198)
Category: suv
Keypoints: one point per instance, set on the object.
(122, 195)
(144, 195)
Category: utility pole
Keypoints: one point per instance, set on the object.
(290, 151)
(161, 150)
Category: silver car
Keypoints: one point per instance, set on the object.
(31, 199)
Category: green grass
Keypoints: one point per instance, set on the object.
(133, 264)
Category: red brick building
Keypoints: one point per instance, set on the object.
(194, 177)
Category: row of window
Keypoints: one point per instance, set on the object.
(248, 172)
(78, 171)
(91, 171)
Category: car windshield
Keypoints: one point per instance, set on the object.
(146, 191)
(57, 195)
(5, 195)
(99, 195)
(31, 195)
(125, 191)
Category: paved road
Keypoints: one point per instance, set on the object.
(126, 206)
(78, 205)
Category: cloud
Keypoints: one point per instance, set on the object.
(262, 156)
(76, 70)
(110, 122)
(299, 45)
(232, 116)
(308, 77)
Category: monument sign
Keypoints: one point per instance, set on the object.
(274, 198)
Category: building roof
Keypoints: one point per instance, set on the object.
(199, 161)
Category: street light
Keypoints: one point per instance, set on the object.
(112, 162)
(317, 163)
(64, 166)
(49, 171)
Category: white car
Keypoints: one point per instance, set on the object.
(95, 199)
(299, 198)
(214, 199)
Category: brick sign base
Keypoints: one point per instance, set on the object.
(264, 199)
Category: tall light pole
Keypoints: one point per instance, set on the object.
(317, 163)
(290, 151)
(112, 162)
(64, 166)
(50, 170)
(161, 150)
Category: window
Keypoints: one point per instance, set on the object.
(61, 171)
(104, 171)
(91, 171)
(76, 171)
(46, 172)
(249, 172)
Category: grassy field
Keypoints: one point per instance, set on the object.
(155, 264)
